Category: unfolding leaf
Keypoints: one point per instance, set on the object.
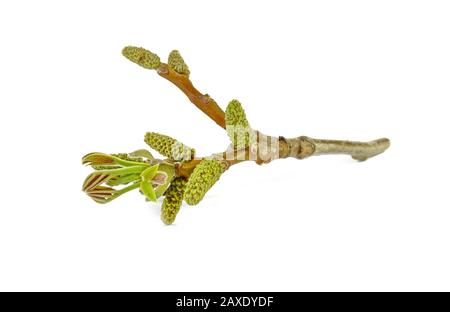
(142, 153)
(98, 159)
(149, 173)
(101, 159)
(94, 179)
(114, 181)
(170, 171)
(147, 189)
(101, 194)
(160, 178)
(104, 176)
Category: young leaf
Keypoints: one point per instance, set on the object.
(94, 179)
(101, 159)
(169, 170)
(147, 189)
(101, 194)
(160, 178)
(114, 181)
(149, 173)
(142, 153)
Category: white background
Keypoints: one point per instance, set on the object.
(327, 69)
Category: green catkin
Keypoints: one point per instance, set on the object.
(142, 57)
(172, 201)
(169, 147)
(176, 62)
(205, 174)
(237, 126)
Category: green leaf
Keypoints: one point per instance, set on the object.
(147, 189)
(101, 159)
(169, 170)
(103, 194)
(114, 181)
(142, 153)
(95, 179)
(160, 178)
(104, 176)
(149, 173)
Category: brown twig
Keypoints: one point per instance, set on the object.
(262, 153)
(203, 101)
(299, 148)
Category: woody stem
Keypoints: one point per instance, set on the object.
(300, 148)
(203, 101)
(358, 150)
(264, 152)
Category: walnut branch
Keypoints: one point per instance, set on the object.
(300, 147)
(184, 177)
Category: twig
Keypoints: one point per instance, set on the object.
(182, 175)
(300, 147)
(203, 101)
